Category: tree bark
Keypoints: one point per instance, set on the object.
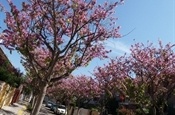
(40, 99)
(72, 111)
(33, 101)
(154, 111)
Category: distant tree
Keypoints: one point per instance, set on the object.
(146, 77)
(75, 90)
(154, 69)
(56, 37)
(111, 82)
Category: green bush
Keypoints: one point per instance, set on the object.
(9, 77)
(29, 108)
(27, 90)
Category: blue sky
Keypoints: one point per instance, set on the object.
(147, 20)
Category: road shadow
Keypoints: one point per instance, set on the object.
(13, 105)
(46, 111)
(6, 112)
(24, 103)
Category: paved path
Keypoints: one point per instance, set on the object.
(15, 109)
(4, 112)
(20, 109)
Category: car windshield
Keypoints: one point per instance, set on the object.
(54, 105)
(62, 107)
(51, 102)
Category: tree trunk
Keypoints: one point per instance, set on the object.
(72, 111)
(40, 99)
(161, 110)
(33, 101)
(154, 111)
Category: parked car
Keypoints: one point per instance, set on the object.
(54, 107)
(49, 104)
(61, 110)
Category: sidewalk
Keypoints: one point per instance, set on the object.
(20, 109)
(15, 109)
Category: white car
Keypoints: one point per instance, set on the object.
(61, 110)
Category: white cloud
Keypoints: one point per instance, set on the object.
(117, 47)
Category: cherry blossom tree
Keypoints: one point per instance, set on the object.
(80, 87)
(116, 79)
(62, 91)
(111, 80)
(145, 77)
(111, 75)
(77, 91)
(56, 37)
(154, 69)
